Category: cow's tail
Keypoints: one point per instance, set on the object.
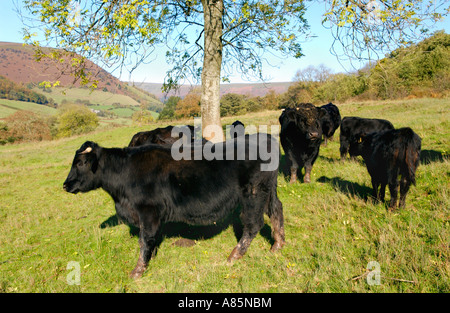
(411, 153)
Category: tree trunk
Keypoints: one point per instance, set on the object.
(212, 64)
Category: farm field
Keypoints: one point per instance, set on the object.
(95, 97)
(333, 229)
(8, 107)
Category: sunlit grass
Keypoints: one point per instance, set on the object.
(333, 228)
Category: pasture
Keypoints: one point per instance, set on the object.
(333, 229)
(8, 107)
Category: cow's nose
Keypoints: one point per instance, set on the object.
(65, 186)
(313, 135)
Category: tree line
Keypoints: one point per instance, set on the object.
(419, 70)
(12, 91)
(26, 126)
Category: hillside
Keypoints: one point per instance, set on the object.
(18, 64)
(253, 89)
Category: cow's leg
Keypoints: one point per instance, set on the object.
(343, 149)
(277, 221)
(252, 220)
(249, 233)
(293, 166)
(147, 244)
(308, 168)
(393, 188)
(375, 185)
(293, 174)
(404, 187)
(382, 192)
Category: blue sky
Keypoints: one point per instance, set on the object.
(316, 50)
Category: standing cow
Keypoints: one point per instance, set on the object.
(330, 120)
(150, 188)
(300, 137)
(353, 127)
(389, 154)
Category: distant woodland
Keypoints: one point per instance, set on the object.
(419, 70)
(12, 91)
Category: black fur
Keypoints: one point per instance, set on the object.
(300, 137)
(389, 154)
(354, 127)
(157, 136)
(150, 188)
(330, 120)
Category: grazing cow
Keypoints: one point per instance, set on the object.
(354, 127)
(150, 188)
(330, 120)
(300, 137)
(158, 136)
(389, 154)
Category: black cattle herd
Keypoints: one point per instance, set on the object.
(150, 188)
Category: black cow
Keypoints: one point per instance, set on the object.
(331, 119)
(354, 127)
(300, 137)
(237, 129)
(158, 136)
(150, 188)
(389, 154)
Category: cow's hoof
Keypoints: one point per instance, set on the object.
(137, 272)
(235, 255)
(277, 246)
(307, 179)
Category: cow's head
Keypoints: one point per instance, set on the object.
(357, 143)
(308, 121)
(82, 175)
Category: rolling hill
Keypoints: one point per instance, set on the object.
(18, 64)
(253, 89)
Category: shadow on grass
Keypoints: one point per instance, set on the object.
(192, 233)
(347, 187)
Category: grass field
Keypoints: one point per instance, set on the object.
(333, 230)
(8, 107)
(94, 97)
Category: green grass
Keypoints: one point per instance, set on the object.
(96, 96)
(125, 112)
(332, 230)
(8, 107)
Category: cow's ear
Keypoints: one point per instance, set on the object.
(322, 112)
(90, 150)
(361, 137)
(87, 147)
